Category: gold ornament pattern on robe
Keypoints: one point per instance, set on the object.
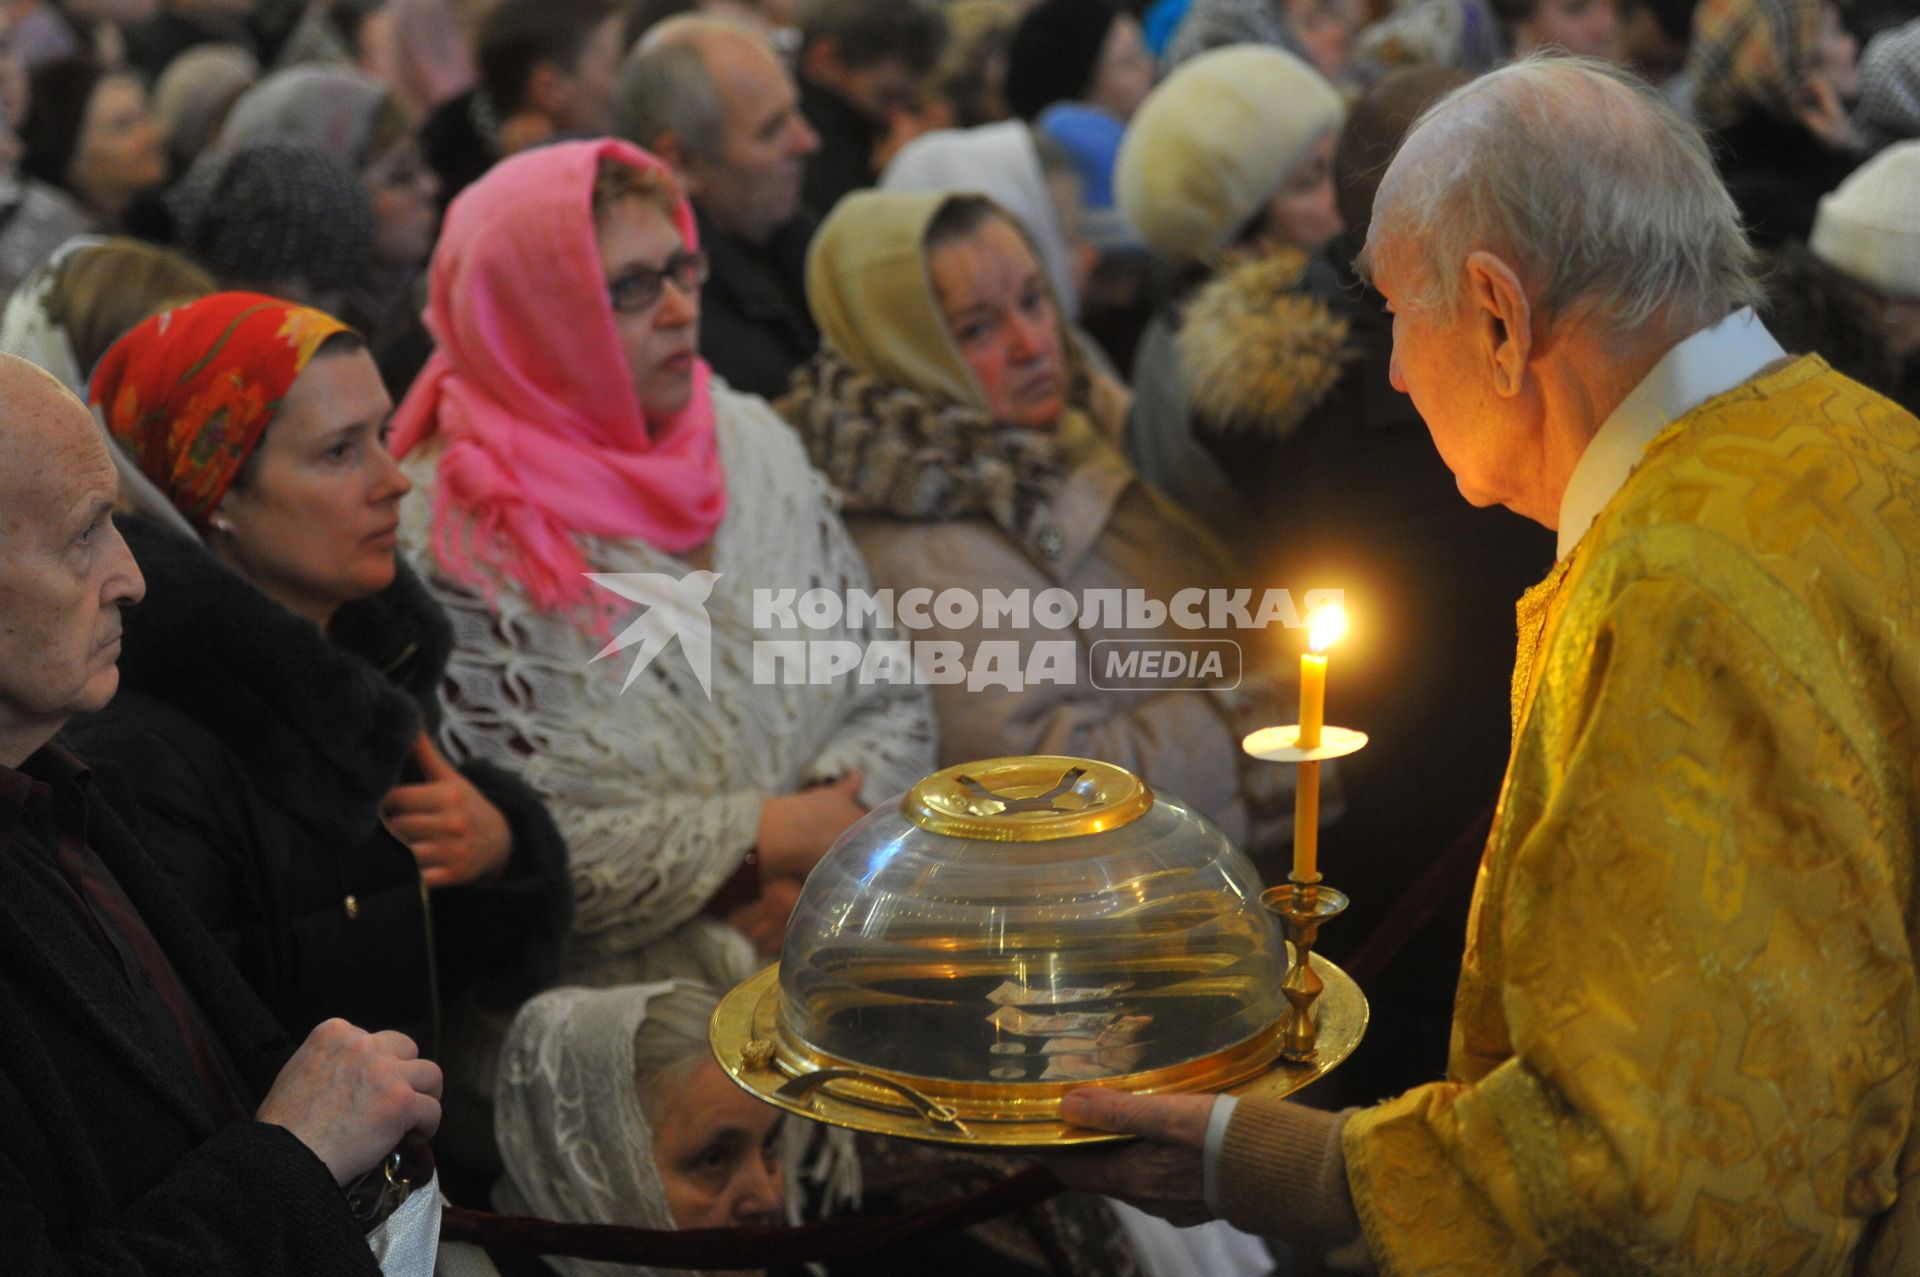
(1687, 1034)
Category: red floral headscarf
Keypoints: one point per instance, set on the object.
(190, 392)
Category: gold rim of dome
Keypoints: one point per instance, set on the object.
(1027, 798)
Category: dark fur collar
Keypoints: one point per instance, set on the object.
(323, 724)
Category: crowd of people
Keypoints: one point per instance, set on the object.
(371, 370)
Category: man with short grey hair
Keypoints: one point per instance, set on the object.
(712, 100)
(1687, 1032)
(151, 1120)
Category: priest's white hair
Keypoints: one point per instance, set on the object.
(1601, 196)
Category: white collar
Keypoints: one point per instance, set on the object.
(1709, 363)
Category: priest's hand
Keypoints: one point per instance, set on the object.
(351, 1096)
(1160, 1174)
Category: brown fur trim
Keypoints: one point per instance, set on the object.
(1258, 351)
(892, 450)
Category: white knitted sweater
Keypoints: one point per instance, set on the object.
(658, 789)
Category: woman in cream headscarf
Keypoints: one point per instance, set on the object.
(611, 1110)
(949, 409)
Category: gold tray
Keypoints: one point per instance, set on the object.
(753, 1050)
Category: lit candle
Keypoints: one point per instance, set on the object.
(1325, 626)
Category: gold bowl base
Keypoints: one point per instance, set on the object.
(752, 1049)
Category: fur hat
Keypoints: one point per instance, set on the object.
(1055, 52)
(1869, 227)
(1213, 143)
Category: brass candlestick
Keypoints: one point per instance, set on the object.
(1302, 904)
(1302, 907)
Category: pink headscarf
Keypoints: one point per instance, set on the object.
(544, 435)
(433, 59)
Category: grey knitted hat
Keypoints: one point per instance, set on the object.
(273, 212)
(1889, 107)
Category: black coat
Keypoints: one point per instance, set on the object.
(844, 162)
(1357, 497)
(755, 328)
(110, 1163)
(259, 751)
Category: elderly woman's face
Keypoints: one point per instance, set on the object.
(639, 247)
(716, 1153)
(1003, 319)
(314, 520)
(1303, 213)
(120, 152)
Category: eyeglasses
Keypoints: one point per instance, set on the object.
(637, 289)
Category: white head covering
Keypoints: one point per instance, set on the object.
(29, 330)
(1000, 162)
(332, 108)
(1869, 226)
(1214, 141)
(567, 1117)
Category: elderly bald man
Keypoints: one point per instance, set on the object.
(713, 100)
(1687, 1032)
(133, 1133)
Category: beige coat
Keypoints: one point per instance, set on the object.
(1116, 534)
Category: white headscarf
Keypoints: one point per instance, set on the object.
(29, 330)
(333, 108)
(567, 1117)
(1000, 162)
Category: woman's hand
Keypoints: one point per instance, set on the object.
(796, 829)
(1824, 114)
(764, 922)
(451, 828)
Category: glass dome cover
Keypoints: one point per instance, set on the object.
(1011, 929)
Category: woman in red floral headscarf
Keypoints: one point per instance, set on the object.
(279, 687)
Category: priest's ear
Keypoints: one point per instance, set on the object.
(1496, 306)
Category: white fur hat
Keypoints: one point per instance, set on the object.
(1213, 143)
(1869, 226)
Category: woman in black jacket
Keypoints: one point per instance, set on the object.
(279, 689)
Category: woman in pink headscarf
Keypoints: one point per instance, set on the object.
(594, 493)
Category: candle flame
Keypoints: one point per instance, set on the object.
(1326, 626)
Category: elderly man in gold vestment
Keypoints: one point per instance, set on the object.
(1687, 1034)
